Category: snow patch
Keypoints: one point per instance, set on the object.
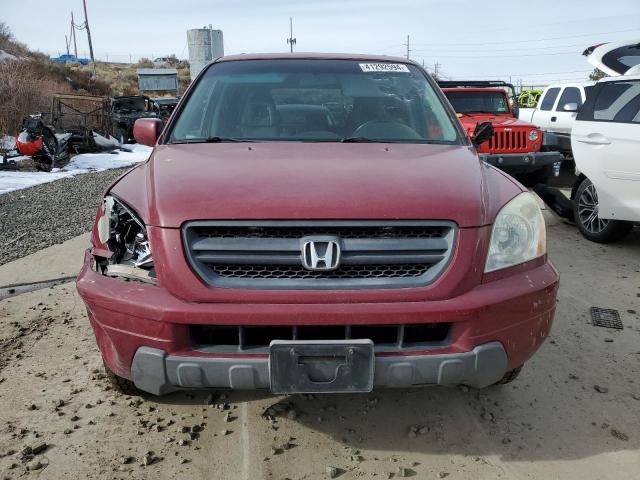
(84, 163)
(106, 160)
(4, 56)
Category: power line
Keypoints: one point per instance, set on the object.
(518, 49)
(535, 39)
(573, 52)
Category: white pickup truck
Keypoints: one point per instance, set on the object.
(556, 111)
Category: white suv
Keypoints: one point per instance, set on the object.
(556, 110)
(605, 140)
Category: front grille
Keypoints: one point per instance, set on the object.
(284, 231)
(231, 338)
(247, 254)
(508, 140)
(298, 271)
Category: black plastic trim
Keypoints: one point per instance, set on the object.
(431, 274)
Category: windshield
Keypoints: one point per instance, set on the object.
(313, 100)
(131, 104)
(478, 102)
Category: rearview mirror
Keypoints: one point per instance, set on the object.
(482, 133)
(570, 107)
(147, 130)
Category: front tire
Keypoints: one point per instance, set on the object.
(122, 385)
(592, 227)
(510, 376)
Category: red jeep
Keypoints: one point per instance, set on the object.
(518, 147)
(315, 223)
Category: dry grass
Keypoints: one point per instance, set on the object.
(24, 91)
(123, 78)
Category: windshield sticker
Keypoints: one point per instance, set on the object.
(384, 67)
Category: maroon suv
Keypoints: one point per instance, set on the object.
(315, 223)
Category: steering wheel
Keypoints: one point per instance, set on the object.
(386, 130)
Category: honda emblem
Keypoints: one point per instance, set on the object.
(320, 253)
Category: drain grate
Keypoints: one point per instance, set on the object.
(606, 317)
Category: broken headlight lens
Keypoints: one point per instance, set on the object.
(122, 230)
(518, 234)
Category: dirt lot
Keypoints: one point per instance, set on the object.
(574, 413)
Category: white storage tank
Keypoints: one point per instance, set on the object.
(205, 44)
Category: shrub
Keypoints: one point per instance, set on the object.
(24, 91)
(145, 63)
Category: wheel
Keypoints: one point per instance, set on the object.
(531, 179)
(121, 135)
(122, 385)
(510, 376)
(592, 227)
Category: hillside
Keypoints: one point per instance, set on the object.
(122, 78)
(28, 80)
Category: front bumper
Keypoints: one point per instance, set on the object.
(521, 162)
(156, 372)
(143, 331)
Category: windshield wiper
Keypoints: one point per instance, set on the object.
(359, 140)
(214, 139)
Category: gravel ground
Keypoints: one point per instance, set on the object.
(41, 216)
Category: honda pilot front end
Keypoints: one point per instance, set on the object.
(315, 223)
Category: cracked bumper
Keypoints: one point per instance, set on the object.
(144, 332)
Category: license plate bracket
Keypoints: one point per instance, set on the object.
(318, 366)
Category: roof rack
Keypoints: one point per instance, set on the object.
(474, 83)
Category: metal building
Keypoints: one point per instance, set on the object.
(205, 44)
(158, 79)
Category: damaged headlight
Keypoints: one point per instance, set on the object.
(122, 230)
(518, 234)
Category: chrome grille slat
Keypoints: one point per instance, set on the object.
(268, 254)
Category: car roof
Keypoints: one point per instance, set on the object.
(315, 56)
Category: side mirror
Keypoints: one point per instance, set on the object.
(570, 107)
(147, 130)
(482, 133)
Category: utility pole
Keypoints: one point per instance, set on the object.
(86, 25)
(291, 41)
(73, 32)
(436, 67)
(407, 45)
(66, 41)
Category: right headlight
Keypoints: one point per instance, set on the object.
(518, 234)
(122, 230)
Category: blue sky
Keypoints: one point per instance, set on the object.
(538, 42)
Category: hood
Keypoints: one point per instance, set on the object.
(314, 181)
(505, 120)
